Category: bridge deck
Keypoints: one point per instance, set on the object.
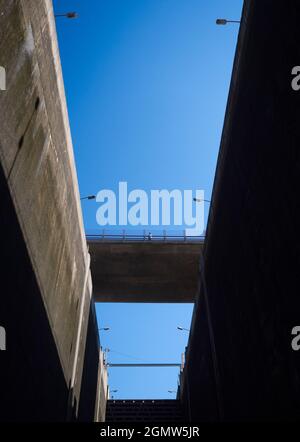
(144, 270)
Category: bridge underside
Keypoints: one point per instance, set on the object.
(144, 271)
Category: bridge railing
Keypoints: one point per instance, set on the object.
(142, 236)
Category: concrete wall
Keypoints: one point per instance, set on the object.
(151, 411)
(91, 372)
(198, 392)
(47, 302)
(102, 390)
(252, 254)
(32, 382)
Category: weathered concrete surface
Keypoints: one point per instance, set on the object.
(91, 371)
(37, 161)
(102, 390)
(147, 271)
(245, 369)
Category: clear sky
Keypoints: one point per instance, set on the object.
(147, 83)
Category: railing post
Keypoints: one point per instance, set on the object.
(165, 235)
(124, 235)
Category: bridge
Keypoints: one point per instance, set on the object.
(239, 363)
(144, 267)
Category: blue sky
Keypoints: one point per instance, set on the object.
(147, 83)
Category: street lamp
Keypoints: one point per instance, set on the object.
(172, 391)
(183, 329)
(89, 197)
(68, 15)
(104, 328)
(198, 200)
(223, 21)
(113, 391)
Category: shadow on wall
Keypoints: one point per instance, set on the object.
(33, 387)
(89, 382)
(252, 253)
(32, 383)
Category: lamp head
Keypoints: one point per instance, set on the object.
(221, 21)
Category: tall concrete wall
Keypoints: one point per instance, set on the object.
(252, 257)
(46, 303)
(32, 382)
(91, 371)
(151, 411)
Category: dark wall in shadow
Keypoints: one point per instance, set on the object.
(32, 383)
(252, 251)
(89, 381)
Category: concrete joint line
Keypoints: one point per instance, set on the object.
(212, 341)
(79, 329)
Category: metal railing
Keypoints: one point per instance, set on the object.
(143, 236)
(130, 365)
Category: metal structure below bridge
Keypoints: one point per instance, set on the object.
(144, 365)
